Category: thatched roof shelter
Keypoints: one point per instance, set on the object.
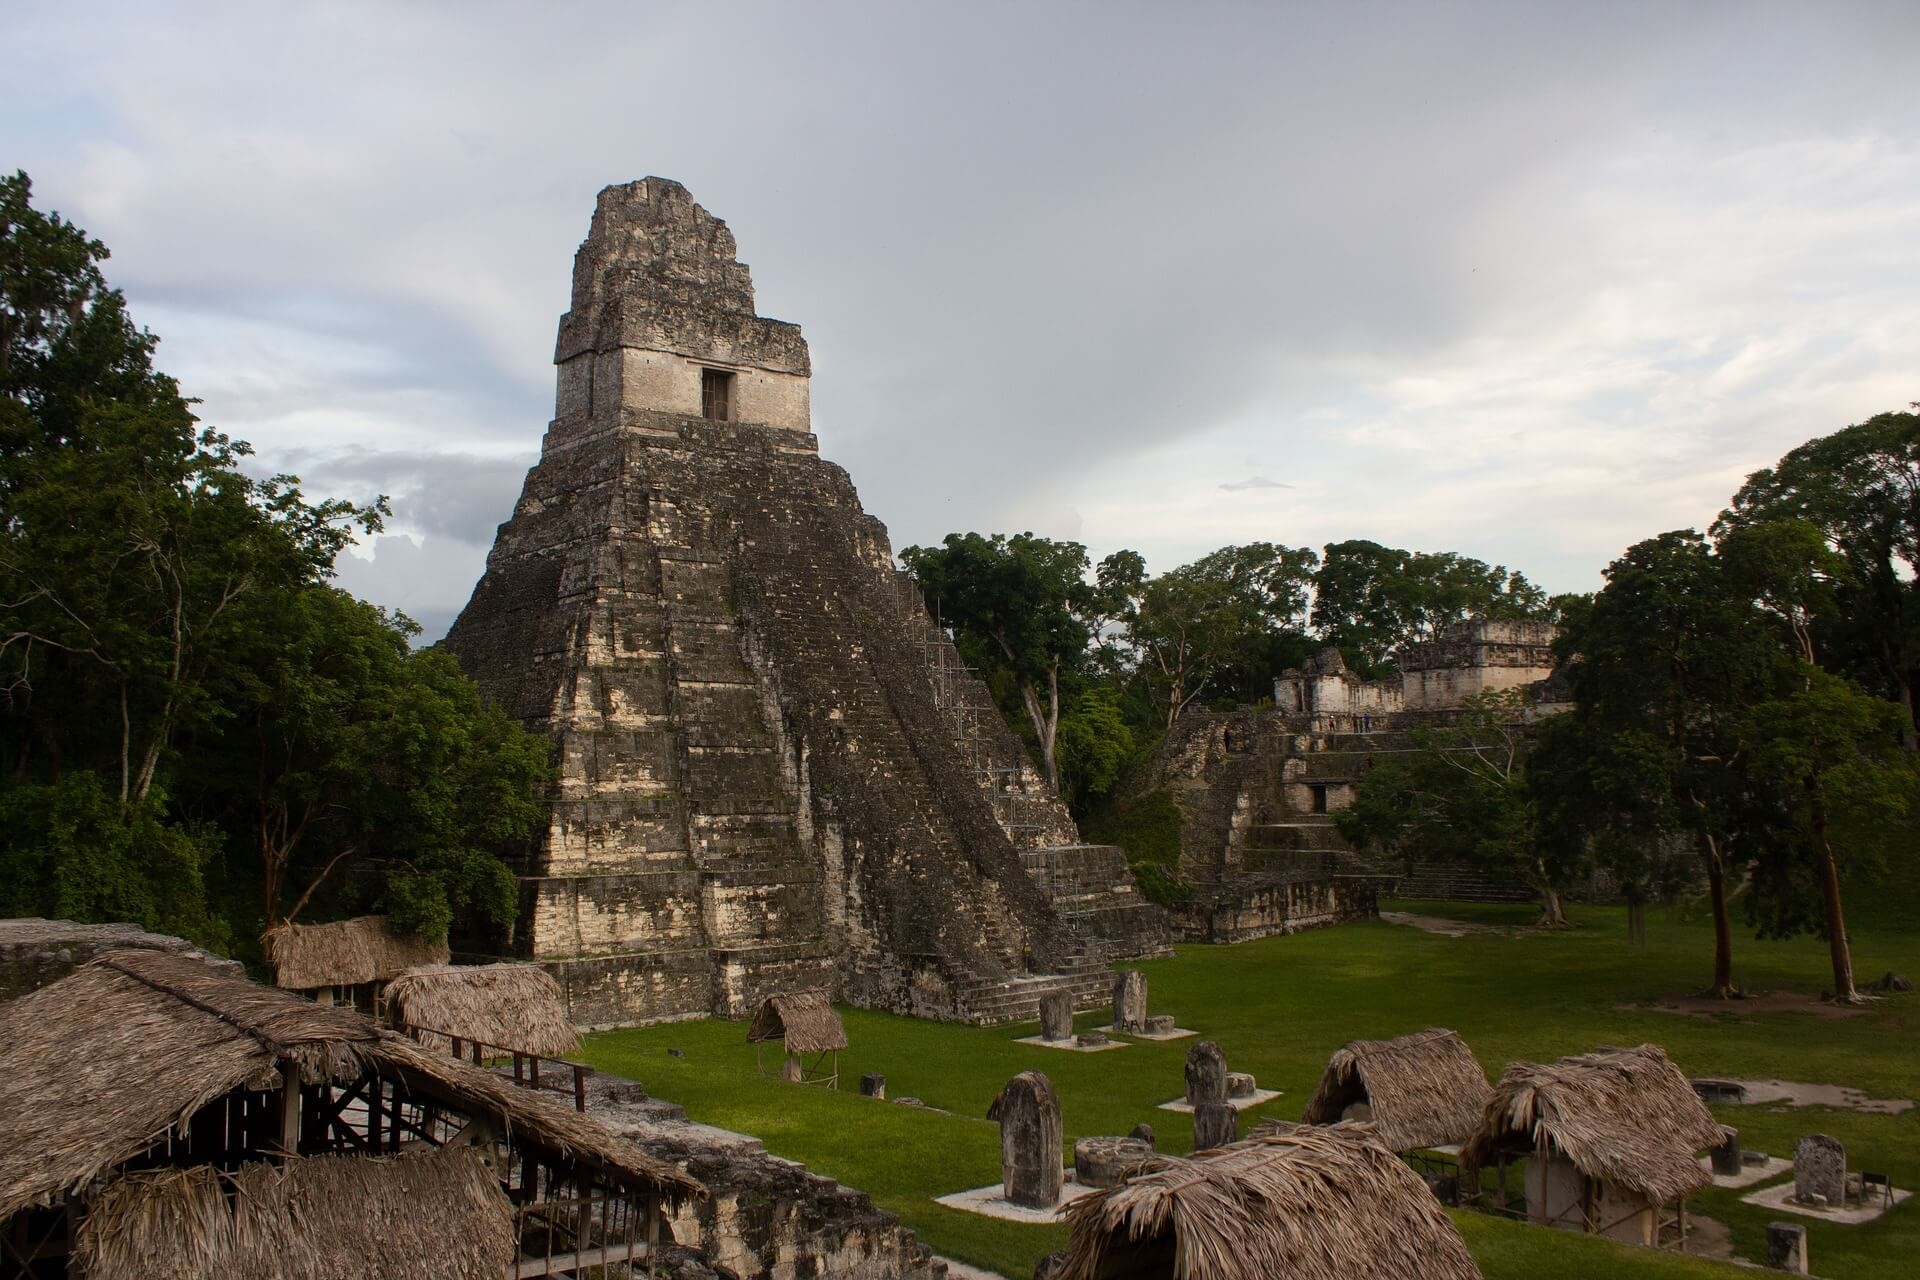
(1424, 1090)
(322, 1218)
(344, 953)
(1628, 1117)
(95, 1068)
(509, 1006)
(1309, 1203)
(805, 1020)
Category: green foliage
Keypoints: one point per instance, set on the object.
(71, 850)
(1095, 746)
(1860, 488)
(1218, 627)
(189, 713)
(1370, 599)
(1462, 794)
(1021, 608)
(1148, 827)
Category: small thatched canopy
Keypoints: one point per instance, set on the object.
(1626, 1116)
(511, 1006)
(323, 1218)
(96, 1067)
(345, 953)
(1310, 1203)
(1424, 1090)
(806, 1020)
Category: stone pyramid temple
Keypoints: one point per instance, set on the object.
(775, 773)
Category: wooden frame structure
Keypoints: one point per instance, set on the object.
(197, 1074)
(808, 1028)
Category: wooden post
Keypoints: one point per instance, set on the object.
(518, 1066)
(579, 1089)
(289, 1109)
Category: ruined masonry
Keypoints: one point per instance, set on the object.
(774, 771)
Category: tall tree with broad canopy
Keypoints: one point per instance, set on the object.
(1369, 599)
(1671, 655)
(1860, 487)
(1021, 605)
(169, 642)
(1462, 794)
(1219, 625)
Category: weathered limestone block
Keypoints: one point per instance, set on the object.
(1215, 1124)
(1056, 1015)
(1030, 1141)
(1104, 1162)
(1820, 1169)
(1160, 1024)
(1091, 1039)
(1241, 1085)
(1726, 1157)
(1787, 1248)
(1130, 1001)
(1206, 1074)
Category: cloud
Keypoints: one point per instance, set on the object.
(1528, 282)
(1253, 482)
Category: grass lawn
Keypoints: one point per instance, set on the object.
(1279, 1006)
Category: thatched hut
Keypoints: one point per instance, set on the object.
(1422, 1091)
(1310, 1203)
(345, 960)
(514, 1007)
(1614, 1138)
(808, 1026)
(144, 1083)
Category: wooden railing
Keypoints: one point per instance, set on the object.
(563, 1076)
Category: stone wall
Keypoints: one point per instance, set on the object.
(773, 771)
(35, 952)
(1472, 658)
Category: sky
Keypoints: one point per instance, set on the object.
(1528, 282)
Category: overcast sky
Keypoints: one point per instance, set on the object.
(1529, 282)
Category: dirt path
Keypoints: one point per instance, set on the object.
(1439, 924)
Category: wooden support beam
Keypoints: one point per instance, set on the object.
(568, 1263)
(289, 1136)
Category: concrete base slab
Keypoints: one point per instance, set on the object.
(1071, 1046)
(991, 1202)
(1178, 1033)
(1780, 1198)
(1238, 1104)
(961, 1271)
(1749, 1173)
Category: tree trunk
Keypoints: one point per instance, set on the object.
(1046, 723)
(1838, 948)
(1723, 987)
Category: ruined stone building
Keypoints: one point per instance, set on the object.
(774, 771)
(1257, 788)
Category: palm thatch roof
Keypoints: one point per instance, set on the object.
(806, 1020)
(96, 1067)
(327, 1218)
(1309, 1203)
(1626, 1116)
(345, 953)
(1424, 1090)
(510, 1006)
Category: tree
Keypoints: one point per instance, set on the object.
(1020, 604)
(1671, 654)
(1370, 599)
(1860, 487)
(1462, 793)
(184, 699)
(1832, 752)
(1216, 625)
